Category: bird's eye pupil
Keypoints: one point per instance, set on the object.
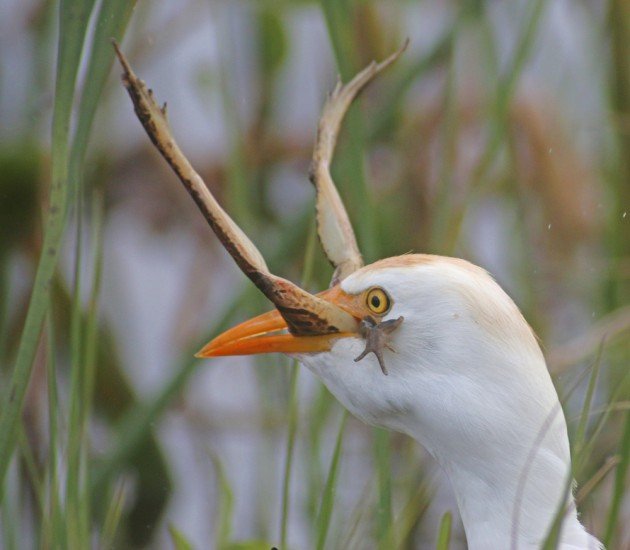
(377, 301)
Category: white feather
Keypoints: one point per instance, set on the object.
(469, 383)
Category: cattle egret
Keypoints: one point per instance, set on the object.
(425, 345)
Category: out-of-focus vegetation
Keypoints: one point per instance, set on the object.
(490, 139)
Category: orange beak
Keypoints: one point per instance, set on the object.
(267, 333)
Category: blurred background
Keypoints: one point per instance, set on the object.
(502, 135)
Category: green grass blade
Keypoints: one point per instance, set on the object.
(391, 104)
(292, 425)
(318, 416)
(328, 498)
(54, 524)
(180, 542)
(619, 490)
(5, 290)
(75, 531)
(112, 516)
(580, 436)
(617, 290)
(294, 411)
(84, 349)
(384, 520)
(350, 172)
(338, 16)
(9, 509)
(444, 535)
(441, 213)
(90, 354)
(613, 400)
(505, 90)
(31, 469)
(238, 190)
(223, 526)
(73, 19)
(111, 22)
(553, 538)
(507, 86)
(410, 515)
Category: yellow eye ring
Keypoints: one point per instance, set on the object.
(378, 301)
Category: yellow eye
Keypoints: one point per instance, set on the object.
(378, 301)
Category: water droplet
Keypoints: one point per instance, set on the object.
(549, 226)
(624, 214)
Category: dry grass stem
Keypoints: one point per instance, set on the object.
(303, 312)
(333, 225)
